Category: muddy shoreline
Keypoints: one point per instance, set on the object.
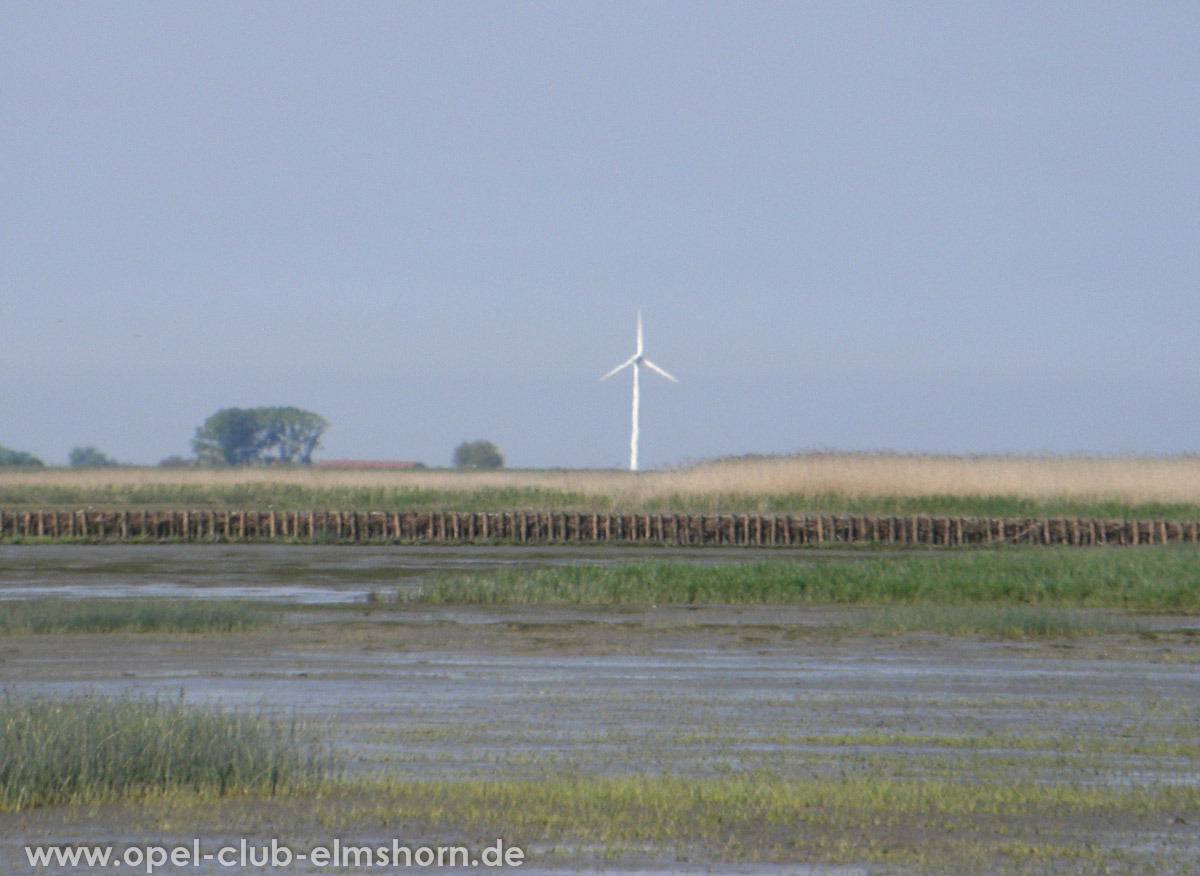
(317, 575)
(789, 696)
(523, 694)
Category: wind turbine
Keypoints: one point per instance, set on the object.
(637, 360)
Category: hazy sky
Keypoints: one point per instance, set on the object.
(962, 227)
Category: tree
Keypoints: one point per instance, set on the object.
(10, 457)
(240, 436)
(89, 457)
(478, 454)
(293, 433)
(228, 437)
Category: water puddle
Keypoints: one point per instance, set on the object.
(298, 574)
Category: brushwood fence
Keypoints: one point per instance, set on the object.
(528, 527)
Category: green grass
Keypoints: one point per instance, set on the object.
(259, 496)
(924, 825)
(87, 749)
(129, 615)
(1141, 579)
(662, 808)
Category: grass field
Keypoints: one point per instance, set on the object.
(1161, 487)
(1143, 579)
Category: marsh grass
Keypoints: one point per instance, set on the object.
(88, 749)
(766, 818)
(664, 806)
(857, 483)
(966, 823)
(1142, 579)
(130, 615)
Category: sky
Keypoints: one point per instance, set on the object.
(923, 227)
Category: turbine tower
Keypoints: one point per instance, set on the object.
(637, 360)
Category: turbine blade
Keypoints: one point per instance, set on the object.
(624, 364)
(654, 367)
(639, 335)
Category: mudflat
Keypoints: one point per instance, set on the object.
(1024, 755)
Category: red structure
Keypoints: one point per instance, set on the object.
(364, 463)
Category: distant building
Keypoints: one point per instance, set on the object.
(364, 463)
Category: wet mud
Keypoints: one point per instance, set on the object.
(447, 693)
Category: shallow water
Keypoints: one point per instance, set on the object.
(304, 574)
(456, 692)
(445, 712)
(862, 706)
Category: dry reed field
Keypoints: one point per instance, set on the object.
(1116, 480)
(1124, 480)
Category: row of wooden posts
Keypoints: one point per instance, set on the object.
(531, 527)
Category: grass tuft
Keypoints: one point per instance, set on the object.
(88, 749)
(129, 615)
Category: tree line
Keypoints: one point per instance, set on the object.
(79, 457)
(243, 436)
(255, 436)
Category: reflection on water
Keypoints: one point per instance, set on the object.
(304, 574)
(435, 713)
(259, 593)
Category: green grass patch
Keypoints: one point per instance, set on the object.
(130, 615)
(955, 824)
(939, 822)
(265, 496)
(1142, 579)
(87, 749)
(665, 807)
